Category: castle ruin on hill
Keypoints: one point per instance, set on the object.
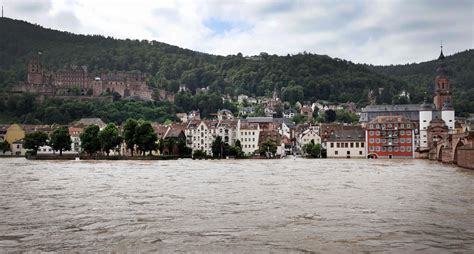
(77, 81)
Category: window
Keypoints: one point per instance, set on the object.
(384, 141)
(377, 126)
(347, 145)
(332, 144)
(408, 148)
(362, 144)
(372, 148)
(402, 149)
(378, 141)
(402, 125)
(338, 145)
(377, 133)
(348, 152)
(402, 140)
(408, 140)
(377, 148)
(408, 126)
(402, 132)
(371, 133)
(371, 140)
(408, 133)
(371, 126)
(360, 152)
(390, 149)
(336, 152)
(384, 148)
(357, 144)
(352, 145)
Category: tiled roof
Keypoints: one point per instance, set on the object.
(348, 135)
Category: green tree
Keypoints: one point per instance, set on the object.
(110, 138)
(90, 142)
(217, 147)
(61, 140)
(129, 136)
(330, 116)
(145, 137)
(4, 146)
(238, 144)
(267, 146)
(35, 139)
(346, 116)
(312, 149)
(298, 118)
(199, 154)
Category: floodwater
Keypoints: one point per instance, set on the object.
(246, 206)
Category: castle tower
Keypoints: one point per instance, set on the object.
(426, 115)
(35, 70)
(442, 86)
(447, 114)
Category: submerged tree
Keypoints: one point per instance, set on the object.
(110, 138)
(90, 142)
(61, 140)
(34, 140)
(129, 136)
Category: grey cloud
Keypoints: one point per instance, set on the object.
(67, 20)
(277, 7)
(166, 13)
(32, 6)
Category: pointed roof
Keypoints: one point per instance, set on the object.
(441, 55)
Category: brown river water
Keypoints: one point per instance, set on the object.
(246, 206)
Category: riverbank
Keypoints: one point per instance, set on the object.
(99, 157)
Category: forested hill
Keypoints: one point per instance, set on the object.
(461, 73)
(295, 77)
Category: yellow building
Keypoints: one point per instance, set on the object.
(14, 133)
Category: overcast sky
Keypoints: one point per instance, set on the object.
(376, 32)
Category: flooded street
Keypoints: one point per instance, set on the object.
(244, 206)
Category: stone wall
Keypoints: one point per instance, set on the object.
(447, 155)
(466, 157)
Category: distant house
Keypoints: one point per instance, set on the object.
(288, 113)
(307, 136)
(183, 117)
(307, 112)
(247, 110)
(17, 147)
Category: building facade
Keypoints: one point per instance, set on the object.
(390, 137)
(346, 144)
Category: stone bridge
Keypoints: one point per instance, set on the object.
(456, 148)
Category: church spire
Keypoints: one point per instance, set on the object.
(441, 56)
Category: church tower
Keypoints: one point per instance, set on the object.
(35, 70)
(442, 86)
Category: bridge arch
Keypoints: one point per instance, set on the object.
(440, 153)
(456, 148)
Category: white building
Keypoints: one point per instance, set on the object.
(288, 113)
(306, 136)
(347, 144)
(241, 98)
(200, 135)
(427, 114)
(248, 134)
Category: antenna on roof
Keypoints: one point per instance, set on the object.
(2, 11)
